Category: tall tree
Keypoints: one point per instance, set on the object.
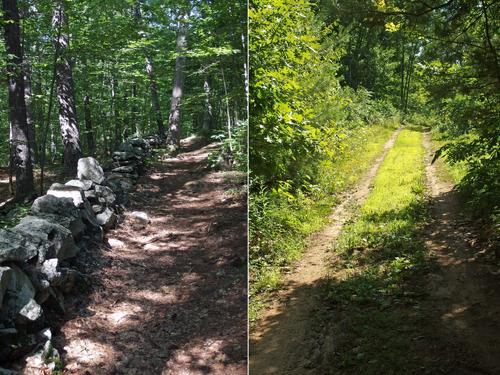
(65, 92)
(174, 120)
(21, 158)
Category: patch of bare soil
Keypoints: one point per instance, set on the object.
(278, 341)
(464, 302)
(168, 297)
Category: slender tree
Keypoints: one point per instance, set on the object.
(21, 158)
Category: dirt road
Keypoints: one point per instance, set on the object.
(277, 341)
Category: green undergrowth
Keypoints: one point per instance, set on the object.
(377, 255)
(453, 172)
(280, 222)
(14, 215)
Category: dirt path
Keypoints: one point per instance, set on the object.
(277, 341)
(464, 305)
(168, 298)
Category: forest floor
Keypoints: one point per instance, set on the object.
(438, 312)
(168, 297)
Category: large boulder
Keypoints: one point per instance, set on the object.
(67, 191)
(18, 247)
(50, 204)
(5, 276)
(61, 211)
(90, 169)
(62, 244)
(20, 303)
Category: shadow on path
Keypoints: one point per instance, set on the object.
(169, 297)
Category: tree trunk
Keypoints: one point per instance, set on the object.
(17, 105)
(208, 114)
(154, 98)
(65, 94)
(174, 120)
(88, 125)
(28, 97)
(229, 131)
(246, 75)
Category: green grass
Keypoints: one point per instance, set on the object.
(378, 253)
(14, 216)
(280, 225)
(446, 171)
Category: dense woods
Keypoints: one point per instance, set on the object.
(85, 75)
(331, 77)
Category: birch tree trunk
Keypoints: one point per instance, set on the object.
(21, 158)
(65, 94)
(174, 119)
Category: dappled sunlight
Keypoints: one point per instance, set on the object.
(89, 352)
(161, 290)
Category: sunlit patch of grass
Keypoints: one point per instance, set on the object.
(279, 228)
(378, 253)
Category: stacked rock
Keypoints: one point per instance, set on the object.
(127, 165)
(35, 254)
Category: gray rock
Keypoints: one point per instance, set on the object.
(90, 169)
(50, 204)
(124, 169)
(88, 216)
(64, 191)
(61, 211)
(16, 246)
(138, 142)
(128, 148)
(140, 217)
(5, 276)
(31, 311)
(82, 184)
(20, 303)
(106, 193)
(97, 208)
(63, 278)
(107, 219)
(122, 156)
(90, 195)
(14, 347)
(118, 182)
(60, 239)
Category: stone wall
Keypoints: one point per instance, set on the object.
(36, 255)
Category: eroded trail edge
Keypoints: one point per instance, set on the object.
(168, 297)
(277, 340)
(464, 303)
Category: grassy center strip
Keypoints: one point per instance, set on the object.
(280, 223)
(377, 255)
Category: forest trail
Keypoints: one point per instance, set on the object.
(168, 297)
(464, 301)
(277, 340)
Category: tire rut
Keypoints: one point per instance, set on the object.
(277, 342)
